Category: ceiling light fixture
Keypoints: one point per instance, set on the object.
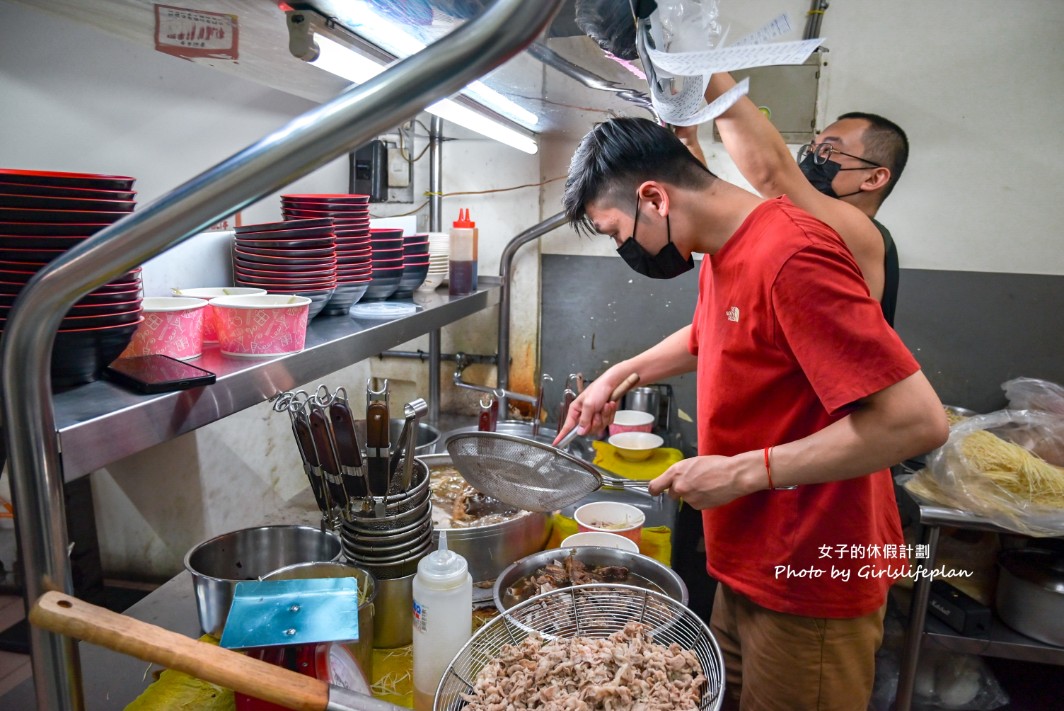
(324, 44)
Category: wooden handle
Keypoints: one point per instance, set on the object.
(67, 615)
(629, 383)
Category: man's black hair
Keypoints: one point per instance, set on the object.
(618, 155)
(884, 143)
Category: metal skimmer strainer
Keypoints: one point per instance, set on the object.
(527, 474)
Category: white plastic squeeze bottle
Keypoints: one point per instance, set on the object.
(443, 618)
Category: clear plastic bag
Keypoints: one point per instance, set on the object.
(953, 478)
(960, 682)
(1034, 394)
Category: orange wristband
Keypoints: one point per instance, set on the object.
(768, 469)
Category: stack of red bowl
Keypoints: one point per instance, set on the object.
(45, 213)
(350, 216)
(291, 257)
(387, 257)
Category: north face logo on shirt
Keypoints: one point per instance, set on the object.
(733, 314)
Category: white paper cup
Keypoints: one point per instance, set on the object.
(611, 517)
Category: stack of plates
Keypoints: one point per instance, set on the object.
(292, 257)
(387, 262)
(415, 264)
(439, 253)
(350, 216)
(43, 214)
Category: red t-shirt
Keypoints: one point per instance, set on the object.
(787, 338)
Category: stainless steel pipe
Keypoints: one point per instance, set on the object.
(506, 267)
(435, 225)
(305, 144)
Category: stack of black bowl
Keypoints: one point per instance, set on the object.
(387, 255)
(290, 257)
(415, 265)
(350, 216)
(43, 214)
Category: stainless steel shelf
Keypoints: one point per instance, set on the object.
(100, 423)
(924, 631)
(1002, 641)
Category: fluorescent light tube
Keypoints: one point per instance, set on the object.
(356, 67)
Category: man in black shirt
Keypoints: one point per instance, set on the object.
(854, 163)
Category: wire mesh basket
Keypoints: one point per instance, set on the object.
(525, 473)
(596, 611)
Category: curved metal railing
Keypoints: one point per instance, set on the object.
(305, 144)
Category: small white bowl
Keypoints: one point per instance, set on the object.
(600, 539)
(636, 446)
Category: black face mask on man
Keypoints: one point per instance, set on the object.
(666, 264)
(821, 175)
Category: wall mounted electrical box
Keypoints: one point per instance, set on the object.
(788, 95)
(369, 171)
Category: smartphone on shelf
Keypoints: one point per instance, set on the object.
(157, 374)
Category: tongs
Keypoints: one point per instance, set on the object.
(414, 411)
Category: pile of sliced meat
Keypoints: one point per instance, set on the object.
(626, 670)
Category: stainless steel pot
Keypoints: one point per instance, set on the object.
(490, 549)
(643, 566)
(393, 625)
(218, 564)
(1030, 593)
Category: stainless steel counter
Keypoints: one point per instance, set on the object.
(101, 422)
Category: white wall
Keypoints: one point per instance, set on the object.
(976, 85)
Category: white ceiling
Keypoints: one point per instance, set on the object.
(561, 102)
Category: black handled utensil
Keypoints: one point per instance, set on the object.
(377, 453)
(323, 442)
(347, 450)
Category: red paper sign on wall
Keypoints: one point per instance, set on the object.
(195, 33)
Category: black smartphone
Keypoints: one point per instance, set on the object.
(157, 374)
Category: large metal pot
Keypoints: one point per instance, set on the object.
(218, 564)
(1030, 593)
(490, 549)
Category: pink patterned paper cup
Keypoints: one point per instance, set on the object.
(172, 326)
(261, 325)
(210, 329)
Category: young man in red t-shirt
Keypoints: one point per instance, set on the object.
(805, 398)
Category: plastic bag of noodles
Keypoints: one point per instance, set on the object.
(1005, 466)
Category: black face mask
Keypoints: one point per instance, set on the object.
(821, 175)
(666, 264)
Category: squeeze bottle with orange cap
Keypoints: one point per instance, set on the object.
(443, 618)
(462, 272)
